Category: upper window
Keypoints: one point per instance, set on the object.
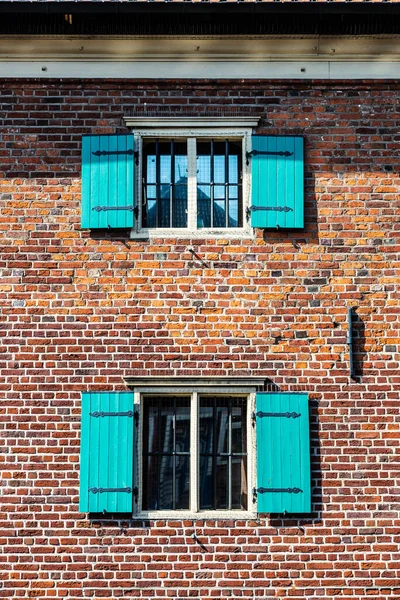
(174, 179)
(215, 185)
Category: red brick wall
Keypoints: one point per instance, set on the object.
(79, 311)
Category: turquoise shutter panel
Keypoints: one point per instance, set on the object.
(107, 452)
(283, 453)
(108, 188)
(277, 176)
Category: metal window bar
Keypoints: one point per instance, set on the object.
(227, 187)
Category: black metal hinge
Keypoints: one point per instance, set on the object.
(288, 415)
(262, 490)
(272, 208)
(130, 207)
(95, 490)
(97, 414)
(266, 153)
(129, 152)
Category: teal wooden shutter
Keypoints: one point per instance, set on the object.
(277, 176)
(283, 453)
(108, 164)
(107, 438)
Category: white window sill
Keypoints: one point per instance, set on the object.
(201, 515)
(228, 233)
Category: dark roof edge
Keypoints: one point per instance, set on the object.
(43, 7)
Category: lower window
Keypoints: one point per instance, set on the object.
(194, 453)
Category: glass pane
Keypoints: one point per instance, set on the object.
(165, 479)
(206, 486)
(180, 175)
(222, 428)
(151, 169)
(179, 207)
(182, 429)
(150, 217)
(165, 169)
(233, 213)
(153, 431)
(206, 434)
(150, 484)
(219, 192)
(182, 486)
(164, 212)
(233, 169)
(238, 430)
(239, 482)
(203, 169)
(219, 214)
(166, 429)
(219, 169)
(203, 206)
(222, 478)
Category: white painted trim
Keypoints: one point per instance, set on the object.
(272, 70)
(194, 124)
(225, 387)
(197, 128)
(209, 57)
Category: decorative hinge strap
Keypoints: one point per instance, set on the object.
(129, 152)
(97, 414)
(262, 490)
(288, 415)
(272, 208)
(130, 207)
(95, 490)
(267, 153)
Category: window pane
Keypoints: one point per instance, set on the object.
(182, 483)
(204, 168)
(222, 482)
(203, 206)
(165, 166)
(206, 482)
(165, 169)
(239, 482)
(223, 448)
(219, 169)
(233, 169)
(166, 453)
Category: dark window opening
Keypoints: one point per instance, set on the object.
(166, 453)
(223, 453)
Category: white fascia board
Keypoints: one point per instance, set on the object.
(257, 57)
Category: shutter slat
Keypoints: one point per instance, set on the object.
(107, 444)
(108, 181)
(283, 453)
(277, 182)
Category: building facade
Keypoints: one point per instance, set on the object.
(199, 223)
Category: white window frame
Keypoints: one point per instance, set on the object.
(191, 130)
(195, 389)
